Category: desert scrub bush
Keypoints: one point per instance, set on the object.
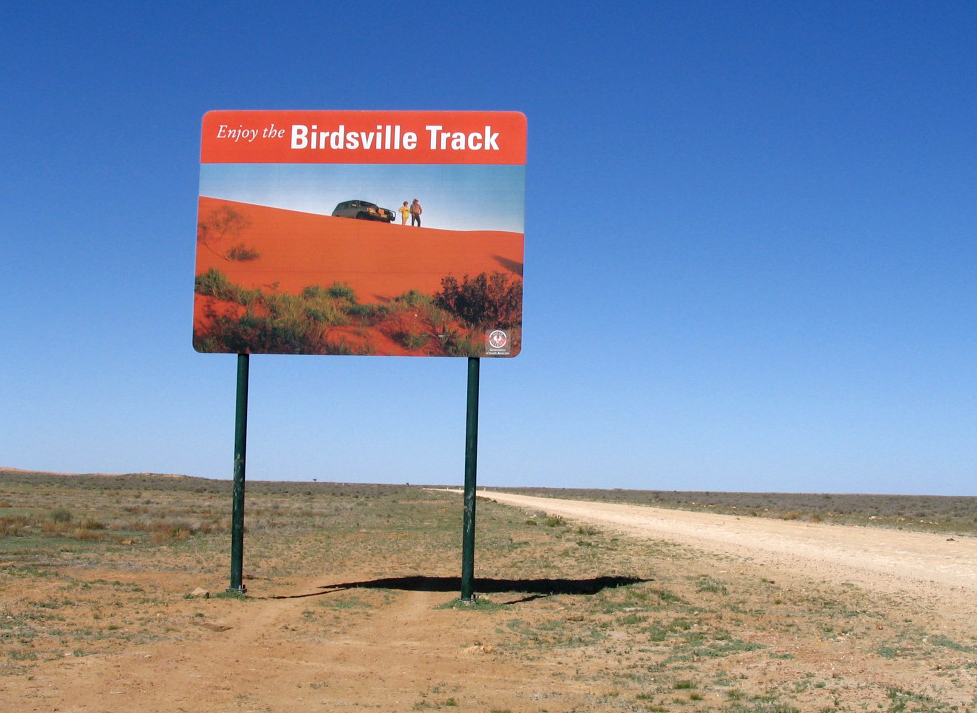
(12, 525)
(278, 322)
(219, 226)
(50, 528)
(414, 321)
(413, 299)
(330, 305)
(289, 333)
(405, 326)
(483, 300)
(344, 348)
(165, 532)
(87, 535)
(60, 515)
(411, 339)
(214, 283)
(342, 291)
(460, 345)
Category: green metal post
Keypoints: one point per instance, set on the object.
(240, 447)
(471, 463)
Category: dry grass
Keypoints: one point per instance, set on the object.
(96, 565)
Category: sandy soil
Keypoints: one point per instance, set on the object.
(403, 652)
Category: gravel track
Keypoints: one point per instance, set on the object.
(923, 565)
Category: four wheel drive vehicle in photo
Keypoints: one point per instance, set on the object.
(364, 210)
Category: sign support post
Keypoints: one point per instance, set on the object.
(240, 448)
(471, 464)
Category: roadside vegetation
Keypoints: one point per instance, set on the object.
(579, 619)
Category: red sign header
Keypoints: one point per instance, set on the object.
(403, 137)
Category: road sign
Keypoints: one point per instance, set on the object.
(361, 232)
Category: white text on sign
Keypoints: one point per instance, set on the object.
(391, 137)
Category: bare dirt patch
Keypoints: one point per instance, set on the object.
(352, 605)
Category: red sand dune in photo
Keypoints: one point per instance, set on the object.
(378, 260)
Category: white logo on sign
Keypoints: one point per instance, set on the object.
(498, 339)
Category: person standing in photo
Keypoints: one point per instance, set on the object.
(415, 213)
(404, 212)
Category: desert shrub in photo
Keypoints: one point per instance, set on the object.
(410, 337)
(287, 331)
(461, 345)
(214, 283)
(415, 322)
(406, 326)
(327, 306)
(277, 322)
(483, 300)
(221, 226)
(242, 253)
(342, 291)
(413, 299)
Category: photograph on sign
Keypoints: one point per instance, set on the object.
(360, 233)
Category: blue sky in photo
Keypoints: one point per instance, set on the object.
(453, 197)
(750, 242)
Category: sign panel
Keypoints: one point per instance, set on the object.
(396, 233)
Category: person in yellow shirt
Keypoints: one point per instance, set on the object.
(404, 213)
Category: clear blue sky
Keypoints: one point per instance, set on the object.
(455, 197)
(750, 243)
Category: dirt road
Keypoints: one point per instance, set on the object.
(894, 561)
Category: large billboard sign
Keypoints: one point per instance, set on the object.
(396, 233)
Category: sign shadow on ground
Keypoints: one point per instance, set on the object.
(532, 588)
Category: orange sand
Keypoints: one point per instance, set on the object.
(378, 260)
